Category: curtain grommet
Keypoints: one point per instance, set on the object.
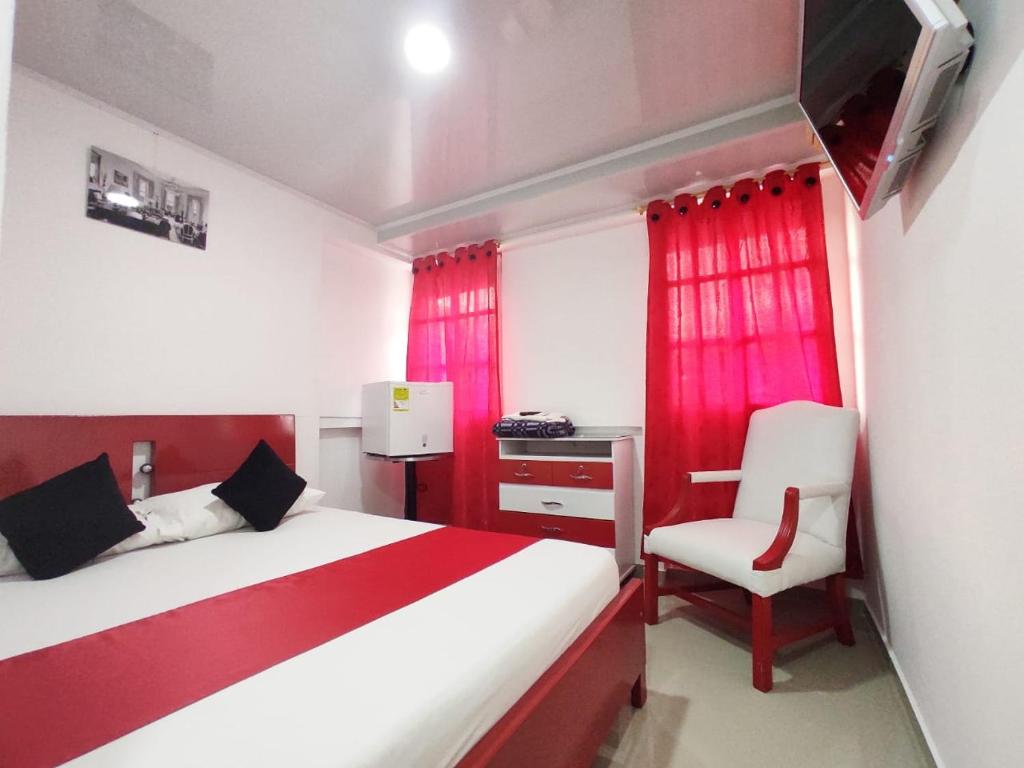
(745, 198)
(683, 210)
(776, 191)
(716, 204)
(810, 181)
(655, 217)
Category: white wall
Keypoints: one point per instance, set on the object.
(942, 285)
(98, 319)
(6, 50)
(364, 321)
(573, 326)
(834, 200)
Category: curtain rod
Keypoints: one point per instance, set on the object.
(642, 209)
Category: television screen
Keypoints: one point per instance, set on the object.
(855, 60)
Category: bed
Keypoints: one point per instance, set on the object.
(522, 659)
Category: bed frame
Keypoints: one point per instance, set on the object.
(187, 450)
(560, 722)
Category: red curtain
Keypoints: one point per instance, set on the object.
(453, 336)
(739, 317)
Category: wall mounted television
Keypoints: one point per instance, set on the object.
(874, 77)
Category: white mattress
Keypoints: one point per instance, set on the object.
(417, 687)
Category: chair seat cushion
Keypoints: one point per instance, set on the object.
(726, 548)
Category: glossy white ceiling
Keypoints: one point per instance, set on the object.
(552, 101)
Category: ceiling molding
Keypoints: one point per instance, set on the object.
(737, 125)
(618, 217)
(583, 225)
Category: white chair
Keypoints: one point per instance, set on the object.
(788, 526)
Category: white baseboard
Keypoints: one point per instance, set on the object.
(915, 708)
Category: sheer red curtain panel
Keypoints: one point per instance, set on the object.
(453, 336)
(739, 317)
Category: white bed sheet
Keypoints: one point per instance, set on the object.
(417, 687)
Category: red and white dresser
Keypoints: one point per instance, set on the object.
(576, 488)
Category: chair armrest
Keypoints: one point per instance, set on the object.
(772, 557)
(716, 476)
(823, 489)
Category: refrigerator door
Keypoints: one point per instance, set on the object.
(420, 419)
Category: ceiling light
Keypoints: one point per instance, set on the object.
(427, 49)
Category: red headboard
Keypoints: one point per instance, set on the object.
(187, 450)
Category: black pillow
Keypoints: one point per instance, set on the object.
(68, 520)
(262, 489)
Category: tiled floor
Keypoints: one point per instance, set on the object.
(832, 706)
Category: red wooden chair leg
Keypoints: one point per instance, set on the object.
(764, 650)
(650, 589)
(638, 696)
(835, 586)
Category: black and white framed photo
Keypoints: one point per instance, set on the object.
(127, 194)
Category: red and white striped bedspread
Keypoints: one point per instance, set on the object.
(415, 677)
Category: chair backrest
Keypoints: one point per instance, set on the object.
(799, 443)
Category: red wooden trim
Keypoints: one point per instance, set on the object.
(671, 565)
(773, 556)
(582, 474)
(763, 644)
(188, 450)
(586, 530)
(739, 620)
(563, 719)
(651, 588)
(835, 586)
(764, 641)
(525, 472)
(711, 586)
(638, 695)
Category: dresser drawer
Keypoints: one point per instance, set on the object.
(555, 500)
(525, 472)
(583, 474)
(598, 532)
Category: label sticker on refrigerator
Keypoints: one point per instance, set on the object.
(399, 398)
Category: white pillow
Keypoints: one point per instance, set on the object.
(180, 516)
(189, 514)
(309, 497)
(8, 562)
(147, 537)
(196, 512)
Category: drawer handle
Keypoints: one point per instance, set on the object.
(551, 529)
(523, 471)
(552, 503)
(580, 474)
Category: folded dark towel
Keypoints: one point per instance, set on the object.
(525, 428)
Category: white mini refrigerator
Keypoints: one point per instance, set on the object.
(407, 418)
